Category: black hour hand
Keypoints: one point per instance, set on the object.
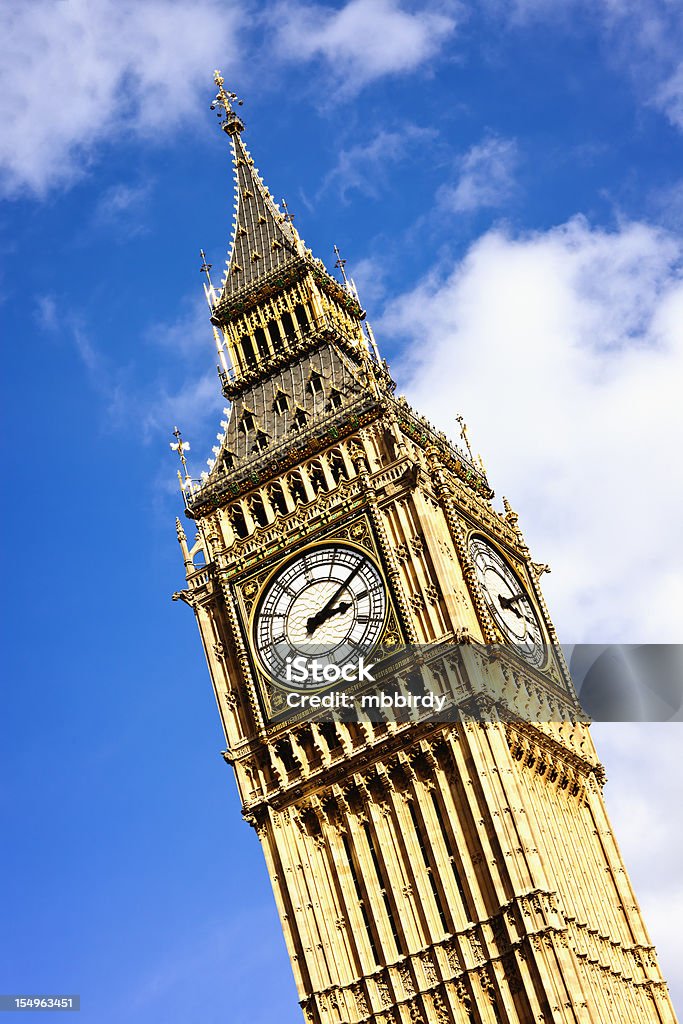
(508, 604)
(326, 613)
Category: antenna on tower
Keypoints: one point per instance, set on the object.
(209, 289)
(341, 264)
(205, 267)
(211, 298)
(464, 436)
(350, 286)
(181, 447)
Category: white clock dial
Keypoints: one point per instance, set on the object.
(508, 602)
(327, 603)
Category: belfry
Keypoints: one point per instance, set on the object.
(428, 868)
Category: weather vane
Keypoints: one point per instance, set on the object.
(463, 434)
(181, 447)
(341, 264)
(205, 268)
(225, 100)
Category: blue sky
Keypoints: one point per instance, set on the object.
(506, 183)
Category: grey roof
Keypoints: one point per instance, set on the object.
(264, 240)
(336, 376)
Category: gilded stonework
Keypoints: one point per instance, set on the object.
(433, 872)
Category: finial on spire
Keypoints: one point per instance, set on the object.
(209, 290)
(341, 264)
(205, 268)
(229, 120)
(289, 217)
(510, 513)
(464, 436)
(181, 447)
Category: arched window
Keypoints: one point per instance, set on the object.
(317, 477)
(284, 750)
(277, 499)
(301, 318)
(296, 488)
(261, 342)
(258, 510)
(260, 441)
(337, 466)
(329, 731)
(237, 521)
(288, 325)
(274, 332)
(299, 419)
(315, 383)
(248, 350)
(281, 403)
(247, 421)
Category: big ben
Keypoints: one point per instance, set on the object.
(428, 868)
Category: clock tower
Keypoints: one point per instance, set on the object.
(429, 868)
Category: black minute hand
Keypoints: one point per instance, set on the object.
(327, 611)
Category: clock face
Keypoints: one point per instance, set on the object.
(327, 603)
(508, 602)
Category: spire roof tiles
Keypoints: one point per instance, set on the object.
(264, 240)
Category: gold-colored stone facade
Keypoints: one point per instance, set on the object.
(429, 873)
(425, 873)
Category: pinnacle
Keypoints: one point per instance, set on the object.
(264, 240)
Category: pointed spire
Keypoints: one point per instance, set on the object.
(264, 239)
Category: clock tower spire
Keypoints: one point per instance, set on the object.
(451, 868)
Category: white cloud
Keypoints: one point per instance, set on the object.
(77, 73)
(46, 312)
(189, 332)
(368, 274)
(194, 407)
(643, 786)
(363, 167)
(142, 403)
(564, 350)
(670, 97)
(121, 209)
(487, 177)
(641, 38)
(362, 41)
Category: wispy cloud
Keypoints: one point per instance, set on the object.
(564, 349)
(643, 39)
(120, 208)
(188, 332)
(670, 97)
(637, 810)
(76, 74)
(195, 405)
(368, 274)
(666, 205)
(486, 177)
(137, 400)
(68, 327)
(46, 312)
(364, 166)
(364, 40)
